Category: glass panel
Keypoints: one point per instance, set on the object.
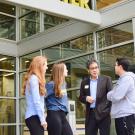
(53, 53)
(7, 111)
(115, 35)
(76, 71)
(7, 27)
(107, 59)
(22, 110)
(7, 84)
(26, 59)
(104, 3)
(7, 62)
(30, 23)
(77, 46)
(21, 83)
(79, 107)
(7, 130)
(48, 73)
(52, 21)
(9, 9)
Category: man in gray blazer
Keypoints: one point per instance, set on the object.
(93, 93)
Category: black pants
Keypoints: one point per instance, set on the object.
(57, 123)
(125, 125)
(34, 125)
(93, 125)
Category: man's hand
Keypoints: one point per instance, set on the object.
(90, 99)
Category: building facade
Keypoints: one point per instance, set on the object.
(26, 32)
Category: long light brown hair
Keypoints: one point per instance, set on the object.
(58, 78)
(36, 67)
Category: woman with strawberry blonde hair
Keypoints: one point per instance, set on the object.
(34, 91)
(57, 102)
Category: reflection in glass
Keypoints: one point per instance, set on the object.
(21, 83)
(7, 27)
(79, 107)
(53, 53)
(77, 46)
(48, 73)
(7, 84)
(107, 59)
(7, 111)
(22, 110)
(8, 9)
(26, 59)
(7, 130)
(52, 21)
(29, 22)
(104, 3)
(7, 62)
(115, 35)
(76, 71)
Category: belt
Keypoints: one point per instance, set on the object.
(92, 109)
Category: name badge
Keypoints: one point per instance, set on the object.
(86, 86)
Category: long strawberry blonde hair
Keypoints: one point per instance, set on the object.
(58, 78)
(36, 68)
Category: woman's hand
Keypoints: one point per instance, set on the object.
(44, 125)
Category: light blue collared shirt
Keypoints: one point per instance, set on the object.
(93, 91)
(34, 101)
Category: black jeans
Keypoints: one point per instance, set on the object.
(57, 123)
(34, 125)
(125, 125)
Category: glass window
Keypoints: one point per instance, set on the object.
(7, 62)
(76, 71)
(26, 59)
(8, 130)
(9, 9)
(7, 111)
(77, 46)
(22, 110)
(21, 83)
(7, 84)
(115, 35)
(104, 3)
(29, 23)
(52, 21)
(107, 59)
(7, 27)
(79, 107)
(53, 53)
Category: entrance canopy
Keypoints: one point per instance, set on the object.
(58, 7)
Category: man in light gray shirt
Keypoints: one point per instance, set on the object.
(122, 97)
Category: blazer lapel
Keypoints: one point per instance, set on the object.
(98, 85)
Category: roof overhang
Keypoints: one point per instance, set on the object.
(60, 8)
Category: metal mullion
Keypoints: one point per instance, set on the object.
(7, 15)
(10, 71)
(5, 97)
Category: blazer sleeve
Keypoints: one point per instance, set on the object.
(83, 95)
(109, 84)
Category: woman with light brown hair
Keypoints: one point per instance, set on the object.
(34, 91)
(57, 102)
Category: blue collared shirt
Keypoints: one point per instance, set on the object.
(93, 91)
(34, 101)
